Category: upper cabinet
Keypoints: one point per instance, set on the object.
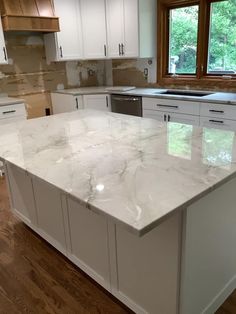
(123, 28)
(3, 51)
(66, 44)
(101, 29)
(93, 13)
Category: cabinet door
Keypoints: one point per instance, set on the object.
(93, 15)
(152, 114)
(3, 51)
(115, 27)
(97, 102)
(50, 214)
(69, 38)
(131, 28)
(89, 242)
(183, 118)
(21, 194)
(66, 103)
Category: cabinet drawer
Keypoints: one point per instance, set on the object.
(171, 105)
(218, 111)
(11, 111)
(218, 123)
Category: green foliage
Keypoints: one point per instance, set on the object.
(222, 44)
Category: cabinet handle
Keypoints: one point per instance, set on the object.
(216, 121)
(165, 117)
(122, 49)
(119, 49)
(61, 52)
(10, 111)
(107, 102)
(5, 53)
(216, 111)
(168, 118)
(77, 103)
(105, 50)
(168, 106)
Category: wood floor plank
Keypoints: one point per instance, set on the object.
(35, 278)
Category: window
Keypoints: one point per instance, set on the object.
(197, 41)
(222, 40)
(183, 26)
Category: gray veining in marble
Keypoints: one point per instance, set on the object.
(133, 170)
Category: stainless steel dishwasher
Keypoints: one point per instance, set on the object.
(131, 105)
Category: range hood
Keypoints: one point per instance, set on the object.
(29, 15)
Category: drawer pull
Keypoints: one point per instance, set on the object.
(216, 111)
(216, 121)
(10, 111)
(168, 106)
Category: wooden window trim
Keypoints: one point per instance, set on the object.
(201, 78)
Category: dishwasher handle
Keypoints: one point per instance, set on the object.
(126, 98)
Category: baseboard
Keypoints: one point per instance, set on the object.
(221, 297)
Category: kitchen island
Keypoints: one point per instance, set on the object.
(146, 209)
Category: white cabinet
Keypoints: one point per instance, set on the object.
(66, 44)
(3, 50)
(115, 27)
(168, 110)
(89, 242)
(131, 28)
(50, 214)
(21, 194)
(93, 13)
(65, 103)
(166, 116)
(97, 102)
(218, 123)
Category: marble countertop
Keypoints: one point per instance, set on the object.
(133, 170)
(5, 101)
(215, 97)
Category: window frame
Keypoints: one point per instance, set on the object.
(201, 77)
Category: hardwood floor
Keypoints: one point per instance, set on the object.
(35, 278)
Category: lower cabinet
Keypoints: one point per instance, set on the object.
(218, 123)
(97, 102)
(50, 214)
(65, 103)
(21, 194)
(89, 242)
(147, 268)
(166, 116)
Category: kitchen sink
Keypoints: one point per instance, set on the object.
(184, 93)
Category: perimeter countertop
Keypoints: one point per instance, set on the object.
(133, 170)
(5, 101)
(215, 97)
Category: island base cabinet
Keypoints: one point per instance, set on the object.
(145, 270)
(209, 255)
(50, 214)
(89, 242)
(21, 194)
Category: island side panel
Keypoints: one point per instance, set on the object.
(146, 270)
(209, 254)
(21, 194)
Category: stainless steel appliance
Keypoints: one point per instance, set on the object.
(131, 105)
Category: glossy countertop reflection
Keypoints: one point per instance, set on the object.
(134, 171)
